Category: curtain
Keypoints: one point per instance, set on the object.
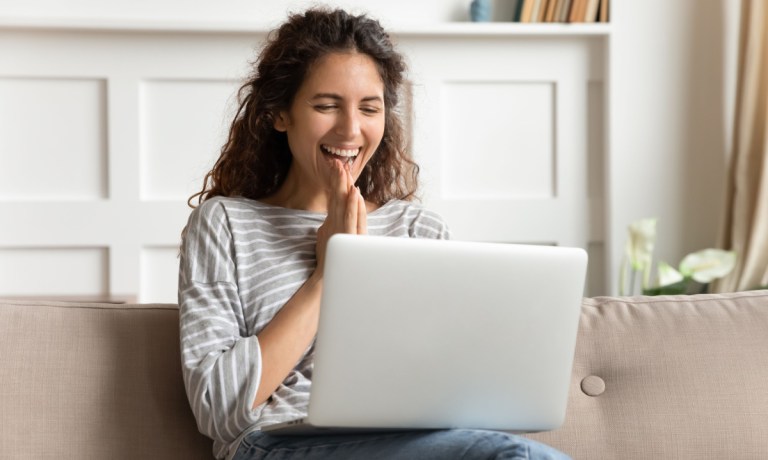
(745, 224)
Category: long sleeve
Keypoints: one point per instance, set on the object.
(427, 224)
(221, 362)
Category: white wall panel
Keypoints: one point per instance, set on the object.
(537, 126)
(499, 140)
(183, 125)
(93, 85)
(672, 90)
(499, 129)
(159, 274)
(52, 271)
(53, 139)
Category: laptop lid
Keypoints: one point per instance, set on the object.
(418, 333)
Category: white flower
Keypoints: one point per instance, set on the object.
(642, 236)
(708, 264)
(701, 266)
(668, 275)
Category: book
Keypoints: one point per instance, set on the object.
(518, 10)
(604, 11)
(549, 16)
(590, 11)
(525, 15)
(543, 7)
(572, 11)
(577, 11)
(558, 11)
(535, 10)
(565, 10)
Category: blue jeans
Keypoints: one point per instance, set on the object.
(417, 445)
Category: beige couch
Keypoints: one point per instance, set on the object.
(654, 377)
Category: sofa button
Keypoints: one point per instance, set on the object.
(593, 385)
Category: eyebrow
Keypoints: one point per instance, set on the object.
(339, 98)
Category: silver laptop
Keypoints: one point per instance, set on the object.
(427, 334)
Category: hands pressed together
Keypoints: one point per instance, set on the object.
(346, 211)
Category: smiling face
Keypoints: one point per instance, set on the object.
(337, 114)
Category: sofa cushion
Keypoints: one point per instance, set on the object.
(93, 381)
(669, 377)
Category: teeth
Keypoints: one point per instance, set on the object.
(341, 152)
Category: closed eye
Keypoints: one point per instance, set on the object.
(325, 107)
(369, 110)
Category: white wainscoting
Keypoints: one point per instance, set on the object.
(106, 131)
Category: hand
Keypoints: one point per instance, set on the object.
(346, 212)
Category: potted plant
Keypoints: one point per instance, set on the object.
(692, 276)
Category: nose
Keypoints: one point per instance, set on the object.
(348, 124)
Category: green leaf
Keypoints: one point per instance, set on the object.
(681, 287)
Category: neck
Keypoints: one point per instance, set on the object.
(293, 196)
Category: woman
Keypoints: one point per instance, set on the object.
(316, 118)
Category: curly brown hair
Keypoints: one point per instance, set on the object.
(256, 158)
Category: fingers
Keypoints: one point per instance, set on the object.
(338, 197)
(344, 177)
(357, 215)
(350, 213)
(346, 206)
(336, 191)
(362, 214)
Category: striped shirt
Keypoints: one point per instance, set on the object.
(241, 261)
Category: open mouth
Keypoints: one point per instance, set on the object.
(346, 156)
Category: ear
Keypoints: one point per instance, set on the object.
(281, 123)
